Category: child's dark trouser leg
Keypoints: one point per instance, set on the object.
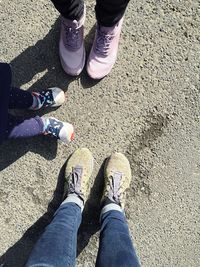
(20, 99)
(20, 128)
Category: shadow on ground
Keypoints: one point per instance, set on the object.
(12, 150)
(18, 254)
(42, 57)
(40, 63)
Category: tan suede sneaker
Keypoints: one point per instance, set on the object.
(117, 175)
(78, 172)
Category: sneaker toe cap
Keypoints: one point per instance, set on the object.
(58, 96)
(97, 68)
(72, 61)
(81, 157)
(119, 163)
(66, 133)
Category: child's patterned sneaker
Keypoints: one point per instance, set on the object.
(52, 97)
(78, 171)
(61, 130)
(117, 175)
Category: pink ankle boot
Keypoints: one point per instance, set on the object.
(71, 46)
(104, 50)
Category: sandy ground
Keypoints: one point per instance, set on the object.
(148, 108)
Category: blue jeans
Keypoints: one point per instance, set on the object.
(57, 246)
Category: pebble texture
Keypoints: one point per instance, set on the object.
(148, 108)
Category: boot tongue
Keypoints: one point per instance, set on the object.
(105, 30)
(108, 30)
(71, 23)
(114, 194)
(75, 24)
(104, 38)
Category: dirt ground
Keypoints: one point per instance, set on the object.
(148, 108)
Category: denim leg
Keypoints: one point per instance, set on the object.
(20, 99)
(115, 248)
(20, 128)
(57, 245)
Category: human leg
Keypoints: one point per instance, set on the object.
(23, 128)
(115, 248)
(57, 245)
(20, 128)
(70, 9)
(109, 12)
(20, 99)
